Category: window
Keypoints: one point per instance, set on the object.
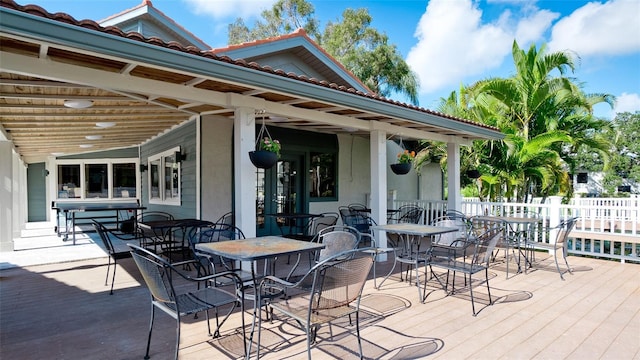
(583, 178)
(164, 178)
(124, 180)
(97, 179)
(69, 181)
(323, 176)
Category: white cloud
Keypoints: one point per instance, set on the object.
(230, 8)
(609, 28)
(627, 103)
(453, 43)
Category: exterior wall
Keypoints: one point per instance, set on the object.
(354, 180)
(185, 137)
(289, 63)
(131, 152)
(216, 159)
(431, 183)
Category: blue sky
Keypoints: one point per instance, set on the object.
(449, 42)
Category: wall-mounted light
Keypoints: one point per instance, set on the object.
(180, 157)
(45, 172)
(144, 167)
(86, 146)
(93, 137)
(78, 103)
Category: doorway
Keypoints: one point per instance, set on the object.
(279, 190)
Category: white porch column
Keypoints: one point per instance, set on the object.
(454, 200)
(378, 148)
(244, 133)
(8, 208)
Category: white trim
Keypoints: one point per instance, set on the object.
(161, 200)
(53, 174)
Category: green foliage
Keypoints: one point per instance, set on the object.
(625, 153)
(547, 119)
(284, 17)
(352, 41)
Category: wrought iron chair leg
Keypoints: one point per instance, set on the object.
(106, 279)
(177, 336)
(358, 333)
(113, 278)
(473, 305)
(146, 356)
(564, 255)
(486, 279)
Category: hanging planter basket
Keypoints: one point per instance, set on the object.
(267, 152)
(401, 169)
(473, 174)
(263, 159)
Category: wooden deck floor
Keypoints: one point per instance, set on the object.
(64, 311)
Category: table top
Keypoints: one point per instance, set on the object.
(259, 248)
(96, 206)
(508, 219)
(415, 229)
(164, 224)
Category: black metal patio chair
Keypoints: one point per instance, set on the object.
(159, 276)
(113, 251)
(562, 233)
(335, 292)
(467, 256)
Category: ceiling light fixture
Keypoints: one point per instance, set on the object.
(93, 137)
(104, 125)
(78, 103)
(86, 146)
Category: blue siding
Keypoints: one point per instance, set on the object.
(185, 137)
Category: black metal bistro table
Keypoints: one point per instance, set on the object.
(71, 208)
(254, 249)
(408, 250)
(164, 230)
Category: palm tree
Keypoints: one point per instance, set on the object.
(543, 117)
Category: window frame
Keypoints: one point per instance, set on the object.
(162, 198)
(82, 163)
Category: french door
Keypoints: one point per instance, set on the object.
(279, 190)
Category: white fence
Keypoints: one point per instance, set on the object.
(605, 228)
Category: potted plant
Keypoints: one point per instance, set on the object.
(267, 154)
(403, 166)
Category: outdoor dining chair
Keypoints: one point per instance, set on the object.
(114, 253)
(411, 214)
(335, 292)
(150, 239)
(208, 264)
(160, 276)
(467, 256)
(562, 233)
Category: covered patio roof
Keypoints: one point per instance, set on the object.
(146, 87)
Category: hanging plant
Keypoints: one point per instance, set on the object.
(267, 149)
(405, 159)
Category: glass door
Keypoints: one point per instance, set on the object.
(279, 190)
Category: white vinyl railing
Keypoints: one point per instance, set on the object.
(605, 228)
